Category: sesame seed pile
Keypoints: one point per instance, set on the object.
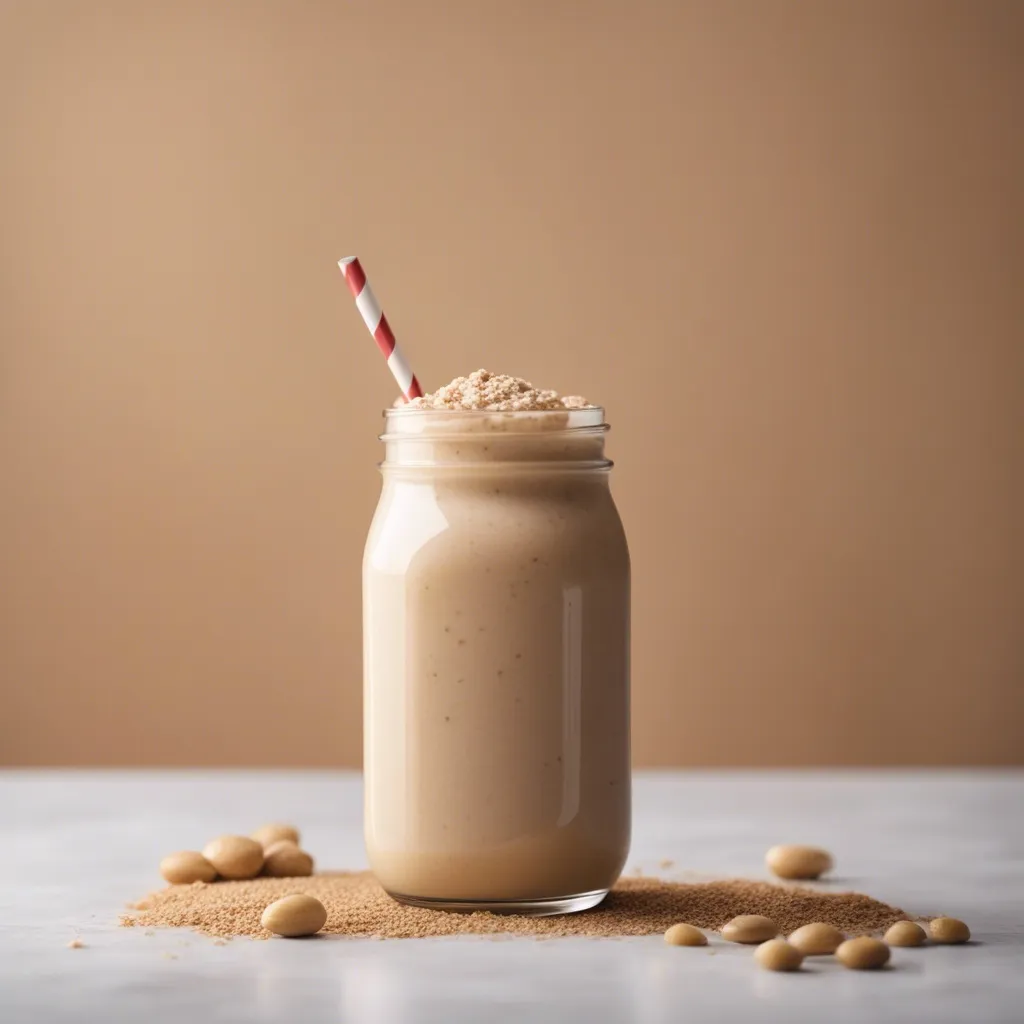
(357, 906)
(496, 392)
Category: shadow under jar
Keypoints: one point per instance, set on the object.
(496, 663)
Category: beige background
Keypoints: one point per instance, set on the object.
(782, 242)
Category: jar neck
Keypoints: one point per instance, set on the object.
(572, 439)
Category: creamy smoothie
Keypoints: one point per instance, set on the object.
(496, 638)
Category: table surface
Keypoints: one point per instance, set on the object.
(75, 846)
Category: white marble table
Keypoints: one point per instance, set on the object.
(74, 846)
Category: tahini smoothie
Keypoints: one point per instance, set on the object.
(496, 639)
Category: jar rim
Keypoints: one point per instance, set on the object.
(488, 438)
(403, 422)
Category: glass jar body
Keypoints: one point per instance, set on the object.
(496, 646)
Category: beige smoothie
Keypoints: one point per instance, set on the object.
(496, 639)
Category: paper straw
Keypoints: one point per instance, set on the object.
(377, 324)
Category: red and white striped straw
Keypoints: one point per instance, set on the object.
(377, 324)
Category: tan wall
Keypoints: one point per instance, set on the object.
(782, 242)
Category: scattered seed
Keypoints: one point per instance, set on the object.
(749, 928)
(778, 955)
(863, 954)
(235, 856)
(817, 939)
(294, 916)
(186, 867)
(905, 933)
(267, 835)
(685, 935)
(949, 931)
(285, 860)
(798, 861)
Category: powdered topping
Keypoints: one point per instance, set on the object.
(357, 905)
(497, 392)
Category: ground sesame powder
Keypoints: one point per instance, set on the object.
(496, 392)
(357, 906)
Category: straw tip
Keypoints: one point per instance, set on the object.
(346, 260)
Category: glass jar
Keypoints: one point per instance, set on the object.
(496, 663)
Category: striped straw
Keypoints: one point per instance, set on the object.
(377, 324)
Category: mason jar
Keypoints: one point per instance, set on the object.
(496, 663)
